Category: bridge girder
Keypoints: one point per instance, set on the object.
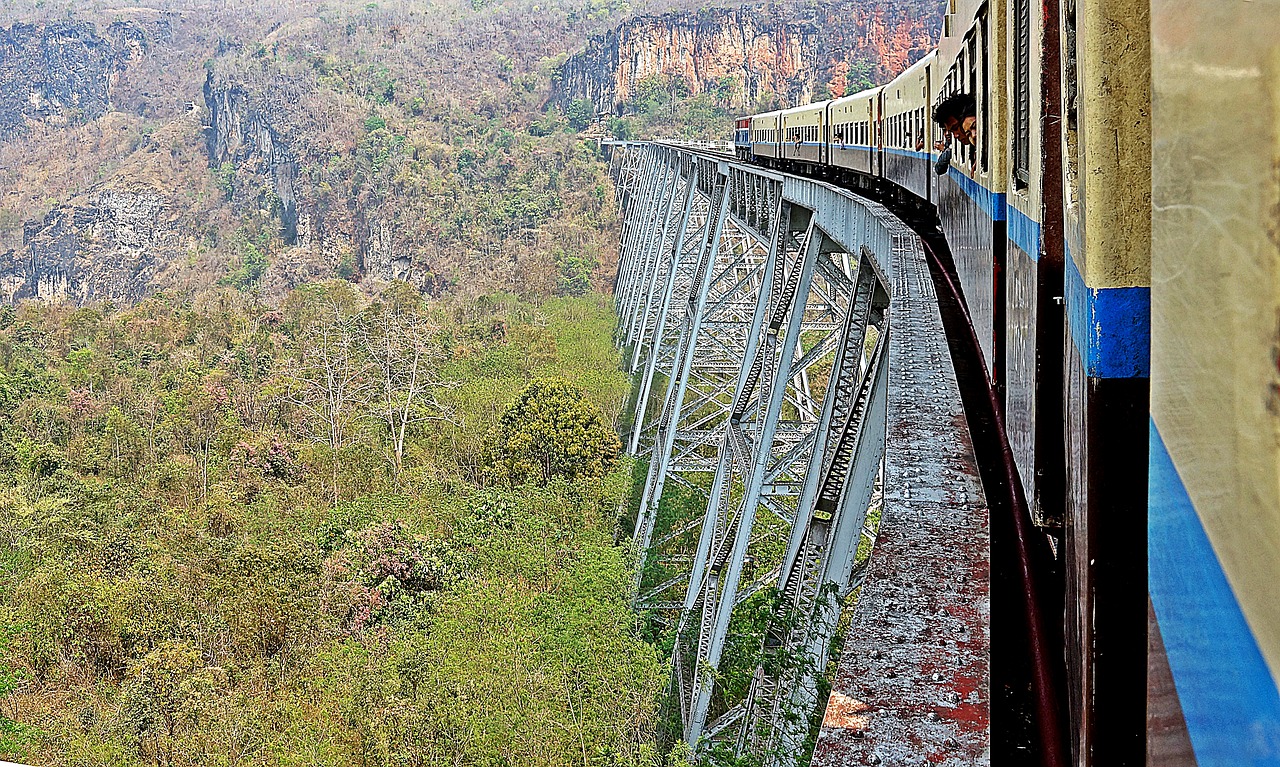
(762, 302)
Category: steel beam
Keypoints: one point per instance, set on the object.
(766, 452)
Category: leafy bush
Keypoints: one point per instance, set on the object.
(579, 114)
(552, 430)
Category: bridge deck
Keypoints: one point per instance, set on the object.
(913, 679)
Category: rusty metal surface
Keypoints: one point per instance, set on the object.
(912, 686)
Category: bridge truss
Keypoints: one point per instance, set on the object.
(755, 313)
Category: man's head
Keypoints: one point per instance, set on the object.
(957, 114)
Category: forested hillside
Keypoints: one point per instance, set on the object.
(309, 404)
(339, 531)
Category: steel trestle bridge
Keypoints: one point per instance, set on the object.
(794, 387)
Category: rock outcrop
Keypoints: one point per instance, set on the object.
(793, 51)
(107, 250)
(62, 72)
(243, 131)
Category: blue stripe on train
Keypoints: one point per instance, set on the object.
(1111, 327)
(1228, 698)
(909, 153)
(991, 203)
(1024, 232)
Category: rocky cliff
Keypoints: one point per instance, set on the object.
(244, 130)
(108, 249)
(794, 51)
(61, 72)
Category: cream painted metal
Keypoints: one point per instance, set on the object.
(1214, 497)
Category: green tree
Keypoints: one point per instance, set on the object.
(575, 274)
(622, 129)
(579, 114)
(553, 430)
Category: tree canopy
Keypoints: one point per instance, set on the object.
(552, 430)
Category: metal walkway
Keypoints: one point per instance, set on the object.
(794, 384)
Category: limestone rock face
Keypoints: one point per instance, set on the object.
(61, 72)
(242, 131)
(793, 52)
(106, 250)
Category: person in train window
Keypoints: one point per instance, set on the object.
(943, 162)
(958, 115)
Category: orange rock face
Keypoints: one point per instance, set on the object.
(744, 55)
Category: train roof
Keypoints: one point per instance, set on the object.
(915, 68)
(806, 107)
(859, 96)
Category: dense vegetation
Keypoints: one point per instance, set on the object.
(229, 541)
(419, 140)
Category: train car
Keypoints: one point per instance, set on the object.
(1033, 256)
(909, 133)
(742, 138)
(766, 135)
(804, 134)
(971, 200)
(1106, 148)
(1213, 516)
(852, 140)
(1118, 257)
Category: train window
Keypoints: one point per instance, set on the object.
(971, 56)
(984, 134)
(1022, 92)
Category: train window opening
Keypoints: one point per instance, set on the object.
(1022, 93)
(984, 134)
(1069, 97)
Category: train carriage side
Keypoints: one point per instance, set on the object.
(852, 136)
(1033, 274)
(1213, 519)
(803, 135)
(971, 199)
(766, 135)
(908, 130)
(1106, 149)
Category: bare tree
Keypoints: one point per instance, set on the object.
(405, 353)
(330, 383)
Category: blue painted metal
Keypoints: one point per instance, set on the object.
(1228, 695)
(1111, 327)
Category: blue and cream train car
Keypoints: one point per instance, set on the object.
(804, 135)
(766, 135)
(1213, 502)
(853, 141)
(1106, 149)
(971, 201)
(1033, 287)
(909, 133)
(1116, 234)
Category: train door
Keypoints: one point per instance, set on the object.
(826, 133)
(877, 119)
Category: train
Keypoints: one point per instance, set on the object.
(1114, 230)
